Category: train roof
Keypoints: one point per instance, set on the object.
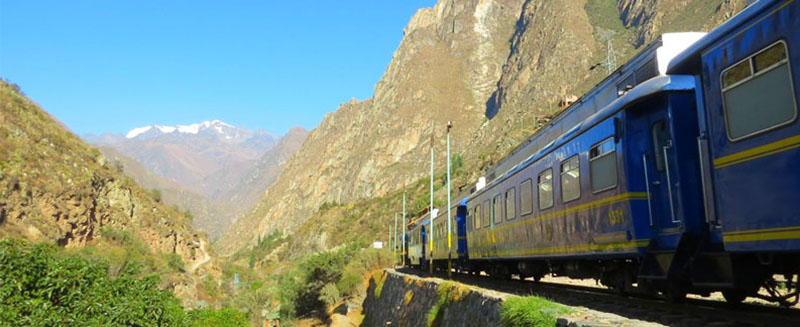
(651, 61)
(646, 89)
(688, 61)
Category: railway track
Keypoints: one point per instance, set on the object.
(694, 312)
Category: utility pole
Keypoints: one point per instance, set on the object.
(404, 225)
(449, 216)
(430, 212)
(394, 247)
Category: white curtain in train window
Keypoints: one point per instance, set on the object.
(603, 166)
(570, 179)
(526, 197)
(757, 93)
(545, 182)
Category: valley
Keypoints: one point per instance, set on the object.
(247, 228)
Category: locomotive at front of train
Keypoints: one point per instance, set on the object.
(749, 140)
(615, 197)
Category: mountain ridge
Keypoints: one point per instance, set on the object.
(213, 169)
(493, 68)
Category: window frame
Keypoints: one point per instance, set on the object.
(530, 186)
(561, 178)
(552, 190)
(486, 221)
(753, 75)
(475, 222)
(659, 160)
(512, 190)
(616, 168)
(495, 206)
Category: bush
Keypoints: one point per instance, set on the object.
(329, 294)
(301, 288)
(188, 216)
(529, 311)
(41, 287)
(225, 317)
(121, 237)
(349, 282)
(174, 262)
(155, 194)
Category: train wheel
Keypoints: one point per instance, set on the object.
(734, 295)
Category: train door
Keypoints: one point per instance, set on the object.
(652, 158)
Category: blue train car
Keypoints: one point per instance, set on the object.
(586, 206)
(749, 141)
(684, 181)
(456, 255)
(651, 61)
(417, 244)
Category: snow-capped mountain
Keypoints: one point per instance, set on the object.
(226, 130)
(229, 166)
(204, 157)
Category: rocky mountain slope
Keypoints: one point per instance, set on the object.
(55, 188)
(492, 67)
(212, 169)
(260, 176)
(207, 216)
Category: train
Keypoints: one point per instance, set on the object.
(677, 174)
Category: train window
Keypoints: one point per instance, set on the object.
(546, 189)
(603, 166)
(757, 93)
(526, 197)
(497, 207)
(570, 179)
(511, 203)
(661, 139)
(487, 214)
(475, 222)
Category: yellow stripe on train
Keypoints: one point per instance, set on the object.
(758, 152)
(766, 234)
(586, 206)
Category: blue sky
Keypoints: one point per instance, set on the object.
(109, 66)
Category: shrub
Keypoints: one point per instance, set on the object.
(225, 317)
(121, 237)
(349, 282)
(188, 216)
(41, 287)
(329, 294)
(155, 194)
(529, 311)
(174, 261)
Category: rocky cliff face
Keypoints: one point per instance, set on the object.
(444, 69)
(651, 18)
(491, 67)
(54, 187)
(207, 216)
(260, 176)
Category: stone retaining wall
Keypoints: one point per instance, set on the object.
(402, 300)
(396, 299)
